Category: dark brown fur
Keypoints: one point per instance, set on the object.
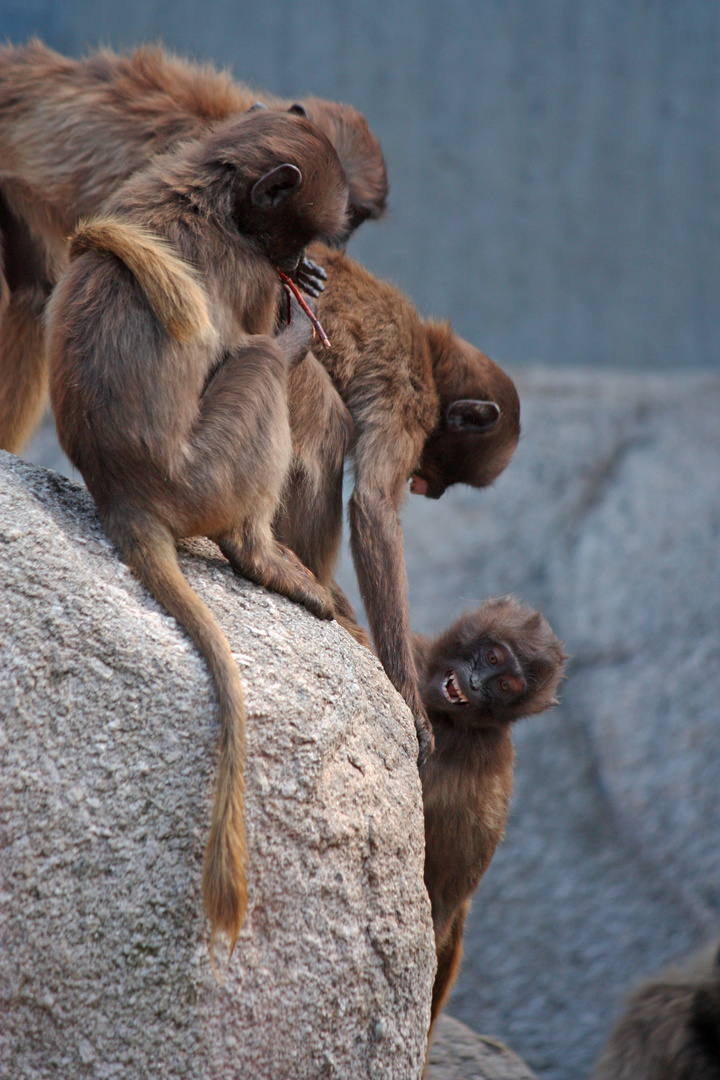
(397, 379)
(71, 131)
(467, 783)
(671, 1027)
(170, 397)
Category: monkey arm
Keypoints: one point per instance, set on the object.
(421, 647)
(377, 548)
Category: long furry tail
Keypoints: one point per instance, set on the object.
(151, 553)
(173, 291)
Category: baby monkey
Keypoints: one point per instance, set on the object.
(490, 668)
(170, 396)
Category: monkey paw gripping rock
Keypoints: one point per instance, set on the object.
(107, 765)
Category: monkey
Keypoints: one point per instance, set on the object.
(491, 667)
(170, 396)
(440, 404)
(71, 131)
(671, 1027)
(414, 402)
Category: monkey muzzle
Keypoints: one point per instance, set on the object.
(452, 691)
(420, 485)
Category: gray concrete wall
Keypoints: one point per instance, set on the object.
(555, 165)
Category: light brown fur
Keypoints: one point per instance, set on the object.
(170, 396)
(467, 782)
(71, 131)
(169, 283)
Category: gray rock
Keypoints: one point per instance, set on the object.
(106, 771)
(458, 1053)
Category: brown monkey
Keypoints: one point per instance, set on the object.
(122, 109)
(423, 405)
(671, 1028)
(71, 131)
(170, 397)
(490, 668)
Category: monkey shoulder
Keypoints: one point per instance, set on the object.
(380, 359)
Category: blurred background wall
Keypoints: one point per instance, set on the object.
(554, 165)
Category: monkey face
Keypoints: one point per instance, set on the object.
(493, 665)
(478, 684)
(479, 424)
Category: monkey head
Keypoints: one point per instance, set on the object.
(360, 156)
(493, 665)
(359, 153)
(479, 422)
(286, 184)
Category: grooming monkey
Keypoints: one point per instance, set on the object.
(671, 1028)
(488, 669)
(71, 131)
(411, 401)
(398, 386)
(170, 396)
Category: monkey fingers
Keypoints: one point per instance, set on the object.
(290, 284)
(426, 739)
(277, 568)
(296, 337)
(310, 277)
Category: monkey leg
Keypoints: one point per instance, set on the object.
(232, 496)
(449, 955)
(277, 568)
(23, 368)
(310, 516)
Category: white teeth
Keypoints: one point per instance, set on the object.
(451, 684)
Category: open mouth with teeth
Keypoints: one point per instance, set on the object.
(452, 691)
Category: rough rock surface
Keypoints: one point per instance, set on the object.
(107, 740)
(458, 1053)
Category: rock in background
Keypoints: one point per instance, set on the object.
(107, 763)
(458, 1053)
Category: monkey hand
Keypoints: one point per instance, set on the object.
(309, 276)
(296, 336)
(426, 739)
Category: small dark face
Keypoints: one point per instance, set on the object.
(481, 685)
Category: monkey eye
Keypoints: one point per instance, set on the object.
(491, 658)
(504, 686)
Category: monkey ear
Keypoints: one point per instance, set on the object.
(298, 110)
(472, 416)
(257, 106)
(275, 186)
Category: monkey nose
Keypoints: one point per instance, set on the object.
(475, 681)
